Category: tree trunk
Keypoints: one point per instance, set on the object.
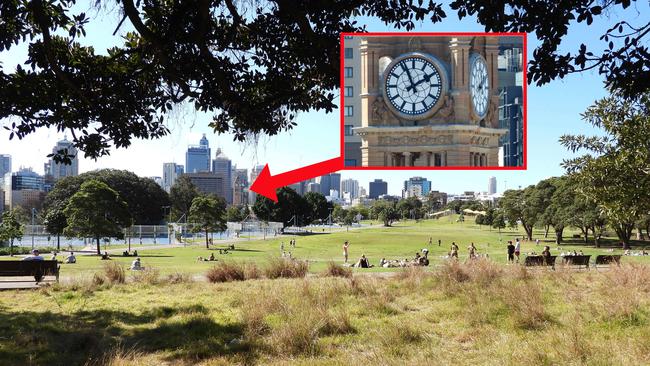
(529, 231)
(624, 232)
(58, 242)
(11, 247)
(207, 244)
(99, 251)
(585, 233)
(558, 235)
(546, 228)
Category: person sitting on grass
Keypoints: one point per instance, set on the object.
(53, 257)
(363, 262)
(70, 259)
(35, 256)
(135, 253)
(382, 262)
(136, 265)
(105, 256)
(125, 254)
(211, 257)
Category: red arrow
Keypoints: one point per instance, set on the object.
(266, 184)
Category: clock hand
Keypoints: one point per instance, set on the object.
(408, 88)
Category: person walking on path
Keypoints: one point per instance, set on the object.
(454, 250)
(511, 252)
(345, 250)
(439, 242)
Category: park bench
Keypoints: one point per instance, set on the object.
(577, 260)
(37, 269)
(538, 260)
(608, 259)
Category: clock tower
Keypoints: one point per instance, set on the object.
(429, 101)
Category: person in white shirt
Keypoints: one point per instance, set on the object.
(517, 249)
(71, 258)
(136, 265)
(35, 256)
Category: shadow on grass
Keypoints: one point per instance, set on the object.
(184, 334)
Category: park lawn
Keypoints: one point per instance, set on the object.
(475, 313)
(400, 241)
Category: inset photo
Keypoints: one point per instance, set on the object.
(433, 100)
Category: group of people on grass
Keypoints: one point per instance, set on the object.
(364, 262)
(35, 255)
(287, 253)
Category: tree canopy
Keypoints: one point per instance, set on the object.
(181, 196)
(208, 214)
(614, 172)
(143, 196)
(96, 211)
(10, 228)
(289, 204)
(252, 65)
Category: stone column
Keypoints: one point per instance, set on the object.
(407, 159)
(429, 153)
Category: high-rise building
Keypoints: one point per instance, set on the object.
(61, 170)
(171, 172)
(350, 186)
(416, 187)
(329, 182)
(377, 188)
(352, 108)
(197, 157)
(5, 166)
(252, 196)
(221, 165)
(492, 185)
(240, 187)
(208, 183)
(510, 65)
(24, 188)
(313, 187)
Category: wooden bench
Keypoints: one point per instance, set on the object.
(37, 269)
(538, 260)
(577, 260)
(608, 259)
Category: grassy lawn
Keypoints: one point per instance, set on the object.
(401, 241)
(477, 313)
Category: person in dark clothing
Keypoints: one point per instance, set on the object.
(511, 252)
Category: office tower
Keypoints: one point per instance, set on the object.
(492, 185)
(221, 165)
(239, 186)
(208, 183)
(350, 186)
(352, 108)
(60, 170)
(5, 166)
(24, 188)
(197, 157)
(511, 117)
(416, 187)
(171, 172)
(377, 188)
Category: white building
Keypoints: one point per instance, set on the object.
(60, 170)
(350, 186)
(492, 185)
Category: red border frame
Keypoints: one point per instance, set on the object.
(441, 34)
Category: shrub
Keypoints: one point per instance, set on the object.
(114, 273)
(226, 272)
(25, 250)
(286, 268)
(337, 270)
(525, 305)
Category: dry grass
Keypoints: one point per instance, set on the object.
(114, 273)
(285, 268)
(179, 277)
(148, 276)
(336, 270)
(226, 272)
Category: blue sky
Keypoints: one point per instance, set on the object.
(553, 110)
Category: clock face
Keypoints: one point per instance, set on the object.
(479, 85)
(413, 85)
